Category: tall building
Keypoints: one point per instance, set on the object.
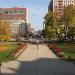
(13, 13)
(15, 17)
(57, 6)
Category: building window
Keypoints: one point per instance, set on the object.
(60, 12)
(68, 1)
(56, 5)
(72, 1)
(68, 4)
(60, 9)
(60, 4)
(60, 1)
(71, 4)
(6, 12)
(55, 1)
(64, 4)
(22, 12)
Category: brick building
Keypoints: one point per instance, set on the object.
(15, 17)
(13, 13)
(57, 6)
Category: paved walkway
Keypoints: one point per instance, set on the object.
(40, 61)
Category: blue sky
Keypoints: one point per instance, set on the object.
(36, 9)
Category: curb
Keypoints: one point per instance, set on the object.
(20, 52)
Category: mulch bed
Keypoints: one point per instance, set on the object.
(58, 51)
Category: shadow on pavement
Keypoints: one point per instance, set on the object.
(44, 66)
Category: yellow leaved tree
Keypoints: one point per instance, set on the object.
(5, 32)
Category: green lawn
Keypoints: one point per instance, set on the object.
(4, 54)
(67, 48)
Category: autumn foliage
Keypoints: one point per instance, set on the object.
(5, 32)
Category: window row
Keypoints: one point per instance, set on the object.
(12, 12)
(68, 4)
(69, 1)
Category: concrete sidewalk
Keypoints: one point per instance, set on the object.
(41, 61)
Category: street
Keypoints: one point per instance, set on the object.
(41, 61)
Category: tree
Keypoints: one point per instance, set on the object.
(69, 15)
(71, 33)
(5, 32)
(50, 24)
(68, 18)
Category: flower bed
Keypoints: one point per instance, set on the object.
(68, 49)
(16, 52)
(56, 50)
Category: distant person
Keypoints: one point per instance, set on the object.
(37, 42)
